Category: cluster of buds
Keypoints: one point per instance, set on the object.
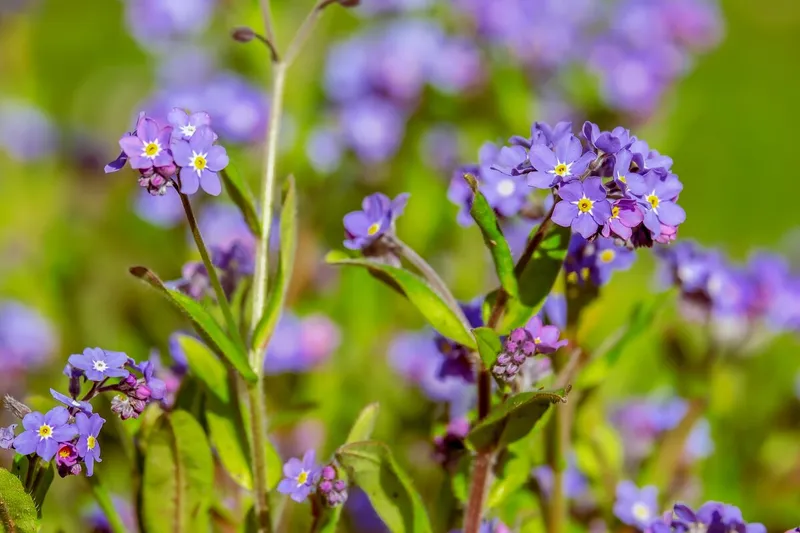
(523, 343)
(332, 489)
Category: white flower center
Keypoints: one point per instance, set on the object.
(188, 130)
(151, 149)
(506, 187)
(99, 365)
(640, 511)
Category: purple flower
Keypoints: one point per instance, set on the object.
(609, 142)
(67, 460)
(583, 206)
(153, 23)
(324, 149)
(184, 126)
(88, 447)
(544, 338)
(625, 215)
(565, 162)
(373, 128)
(713, 516)
(157, 387)
(299, 477)
(575, 485)
(86, 407)
(608, 258)
(555, 310)
(506, 193)
(362, 228)
(623, 176)
(194, 281)
(27, 339)
(149, 147)
(98, 364)
(658, 196)
(43, 433)
(26, 133)
(332, 489)
(299, 345)
(457, 361)
(119, 163)
(200, 160)
(7, 436)
(635, 506)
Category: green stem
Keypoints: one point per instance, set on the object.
(258, 432)
(559, 441)
(481, 474)
(106, 504)
(29, 475)
(222, 300)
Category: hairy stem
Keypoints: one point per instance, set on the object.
(222, 300)
(559, 444)
(481, 474)
(255, 394)
(106, 504)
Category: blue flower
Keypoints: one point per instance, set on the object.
(88, 447)
(98, 364)
(43, 433)
(86, 407)
(300, 477)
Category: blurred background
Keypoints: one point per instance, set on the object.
(393, 96)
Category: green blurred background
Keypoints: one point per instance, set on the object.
(68, 231)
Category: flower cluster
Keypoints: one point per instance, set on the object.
(523, 343)
(305, 477)
(375, 80)
(738, 299)
(638, 49)
(639, 508)
(180, 152)
(69, 433)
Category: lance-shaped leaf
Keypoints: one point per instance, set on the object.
(489, 345)
(420, 294)
(540, 273)
(221, 410)
(178, 479)
(513, 419)
(242, 197)
(205, 325)
(277, 297)
(639, 322)
(493, 237)
(361, 431)
(17, 510)
(371, 466)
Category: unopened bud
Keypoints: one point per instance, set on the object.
(17, 408)
(243, 34)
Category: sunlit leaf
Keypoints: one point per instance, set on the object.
(17, 510)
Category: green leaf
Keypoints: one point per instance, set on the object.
(420, 294)
(242, 197)
(371, 466)
(277, 298)
(539, 275)
(205, 366)
(205, 325)
(44, 486)
(639, 322)
(361, 430)
(17, 510)
(493, 237)
(489, 345)
(513, 419)
(515, 474)
(178, 478)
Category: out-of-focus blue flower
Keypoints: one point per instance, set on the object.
(299, 477)
(324, 149)
(300, 344)
(97, 522)
(26, 134)
(376, 218)
(362, 513)
(154, 23)
(576, 485)
(164, 210)
(636, 507)
(27, 339)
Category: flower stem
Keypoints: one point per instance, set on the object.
(29, 476)
(106, 504)
(481, 474)
(558, 439)
(222, 300)
(259, 434)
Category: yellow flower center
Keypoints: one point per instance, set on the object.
(615, 212)
(585, 273)
(199, 162)
(572, 277)
(64, 452)
(585, 205)
(561, 170)
(91, 442)
(622, 179)
(640, 511)
(373, 229)
(606, 256)
(152, 149)
(653, 199)
(45, 431)
(302, 478)
(537, 340)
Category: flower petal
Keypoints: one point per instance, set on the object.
(26, 442)
(671, 213)
(210, 182)
(190, 181)
(217, 158)
(115, 359)
(584, 225)
(542, 158)
(33, 421)
(47, 448)
(182, 153)
(564, 213)
(65, 433)
(357, 223)
(571, 192)
(202, 139)
(178, 117)
(541, 180)
(57, 416)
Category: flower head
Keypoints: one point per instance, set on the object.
(332, 489)
(149, 147)
(7, 436)
(200, 160)
(609, 142)
(43, 433)
(565, 162)
(583, 206)
(27, 339)
(88, 447)
(545, 339)
(377, 217)
(299, 477)
(657, 195)
(625, 215)
(635, 506)
(72, 403)
(98, 364)
(184, 125)
(67, 460)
